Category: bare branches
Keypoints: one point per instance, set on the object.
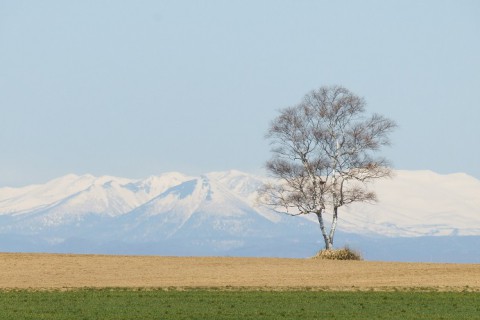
(293, 201)
(323, 152)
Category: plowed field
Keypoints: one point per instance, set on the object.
(58, 271)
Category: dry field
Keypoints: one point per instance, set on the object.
(57, 271)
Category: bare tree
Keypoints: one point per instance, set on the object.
(323, 155)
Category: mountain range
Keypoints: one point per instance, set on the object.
(420, 216)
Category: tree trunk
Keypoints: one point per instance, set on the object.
(326, 238)
(334, 225)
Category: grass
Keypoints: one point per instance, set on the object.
(236, 304)
(338, 254)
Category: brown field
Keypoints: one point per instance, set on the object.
(57, 271)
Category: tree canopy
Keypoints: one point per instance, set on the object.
(324, 152)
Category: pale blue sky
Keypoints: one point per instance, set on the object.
(135, 88)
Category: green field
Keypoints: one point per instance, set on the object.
(239, 304)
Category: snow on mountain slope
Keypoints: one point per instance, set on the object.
(245, 186)
(70, 199)
(418, 203)
(199, 208)
(413, 203)
(163, 215)
(35, 197)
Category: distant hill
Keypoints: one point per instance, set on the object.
(421, 216)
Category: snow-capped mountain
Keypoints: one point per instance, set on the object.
(419, 203)
(218, 213)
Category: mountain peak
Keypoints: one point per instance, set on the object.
(223, 204)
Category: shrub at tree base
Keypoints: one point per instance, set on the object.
(338, 254)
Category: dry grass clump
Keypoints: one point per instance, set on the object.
(338, 254)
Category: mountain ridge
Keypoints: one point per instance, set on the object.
(218, 213)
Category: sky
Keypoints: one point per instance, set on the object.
(139, 88)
